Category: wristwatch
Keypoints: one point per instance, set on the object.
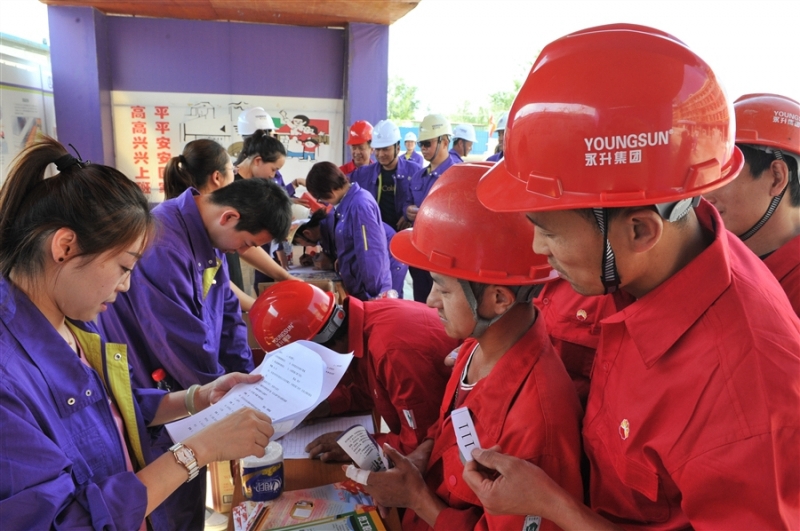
(185, 456)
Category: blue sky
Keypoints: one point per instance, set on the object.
(488, 42)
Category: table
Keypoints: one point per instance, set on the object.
(304, 474)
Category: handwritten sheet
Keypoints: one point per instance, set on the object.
(294, 443)
(297, 378)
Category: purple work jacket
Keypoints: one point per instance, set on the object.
(421, 182)
(367, 177)
(180, 313)
(62, 463)
(397, 268)
(496, 157)
(415, 156)
(363, 258)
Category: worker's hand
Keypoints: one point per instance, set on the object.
(411, 212)
(243, 433)
(509, 485)
(326, 448)
(402, 223)
(400, 486)
(450, 359)
(211, 393)
(302, 202)
(421, 455)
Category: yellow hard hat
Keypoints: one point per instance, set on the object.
(434, 126)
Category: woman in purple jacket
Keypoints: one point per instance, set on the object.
(362, 257)
(74, 437)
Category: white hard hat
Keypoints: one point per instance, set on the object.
(501, 123)
(410, 136)
(434, 126)
(385, 134)
(465, 131)
(252, 119)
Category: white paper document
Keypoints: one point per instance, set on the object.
(297, 378)
(363, 450)
(294, 443)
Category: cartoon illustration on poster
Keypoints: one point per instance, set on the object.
(151, 128)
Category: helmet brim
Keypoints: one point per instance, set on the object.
(403, 249)
(499, 191)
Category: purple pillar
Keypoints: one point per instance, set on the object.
(367, 75)
(82, 81)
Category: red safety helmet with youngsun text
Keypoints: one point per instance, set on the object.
(292, 310)
(614, 116)
(360, 133)
(768, 120)
(499, 249)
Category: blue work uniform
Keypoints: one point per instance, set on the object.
(369, 178)
(496, 157)
(363, 259)
(397, 268)
(454, 155)
(414, 156)
(419, 186)
(62, 461)
(180, 315)
(327, 240)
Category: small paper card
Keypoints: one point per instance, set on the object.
(362, 449)
(466, 436)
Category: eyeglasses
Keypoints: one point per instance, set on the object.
(425, 143)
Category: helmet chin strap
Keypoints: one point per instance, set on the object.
(668, 211)
(773, 204)
(608, 265)
(523, 294)
(330, 328)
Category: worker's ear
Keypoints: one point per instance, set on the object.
(496, 300)
(778, 175)
(229, 215)
(636, 230)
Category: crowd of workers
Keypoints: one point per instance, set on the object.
(614, 298)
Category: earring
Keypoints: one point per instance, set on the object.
(61, 259)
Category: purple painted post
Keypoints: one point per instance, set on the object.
(367, 77)
(82, 81)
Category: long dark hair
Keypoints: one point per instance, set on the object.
(260, 143)
(105, 209)
(191, 169)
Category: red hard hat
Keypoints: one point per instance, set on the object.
(456, 236)
(360, 133)
(614, 116)
(768, 120)
(291, 310)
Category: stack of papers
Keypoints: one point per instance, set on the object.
(297, 378)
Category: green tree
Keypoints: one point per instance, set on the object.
(501, 101)
(466, 113)
(402, 101)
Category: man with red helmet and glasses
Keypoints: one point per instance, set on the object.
(399, 373)
(507, 379)
(693, 415)
(762, 206)
(359, 139)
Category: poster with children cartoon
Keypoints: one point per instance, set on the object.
(152, 127)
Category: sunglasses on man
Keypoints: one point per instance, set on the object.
(425, 143)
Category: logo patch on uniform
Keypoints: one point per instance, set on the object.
(532, 523)
(624, 429)
(409, 415)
